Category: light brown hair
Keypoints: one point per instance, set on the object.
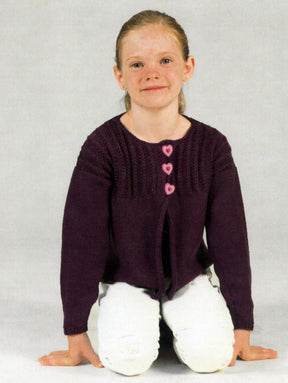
(145, 18)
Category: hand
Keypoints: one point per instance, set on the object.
(79, 349)
(246, 352)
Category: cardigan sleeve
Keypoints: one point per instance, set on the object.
(85, 235)
(227, 236)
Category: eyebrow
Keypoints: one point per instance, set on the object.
(159, 54)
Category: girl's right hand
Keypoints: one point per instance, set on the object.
(79, 349)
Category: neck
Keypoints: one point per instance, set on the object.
(155, 126)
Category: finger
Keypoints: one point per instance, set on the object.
(258, 353)
(55, 359)
(58, 353)
(41, 359)
(44, 361)
(233, 360)
(54, 353)
(94, 359)
(263, 353)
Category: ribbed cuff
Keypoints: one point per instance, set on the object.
(243, 323)
(75, 330)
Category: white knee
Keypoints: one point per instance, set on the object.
(201, 325)
(128, 329)
(132, 355)
(204, 356)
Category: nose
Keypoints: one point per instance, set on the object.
(152, 73)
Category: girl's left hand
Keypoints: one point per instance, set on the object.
(246, 352)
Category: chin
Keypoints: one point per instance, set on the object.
(159, 104)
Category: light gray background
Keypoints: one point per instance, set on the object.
(57, 86)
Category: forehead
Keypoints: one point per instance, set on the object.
(150, 37)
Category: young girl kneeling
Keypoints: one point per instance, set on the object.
(145, 186)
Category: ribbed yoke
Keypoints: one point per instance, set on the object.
(140, 162)
(121, 190)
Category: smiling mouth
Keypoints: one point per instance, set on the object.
(153, 88)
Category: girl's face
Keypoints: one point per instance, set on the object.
(152, 67)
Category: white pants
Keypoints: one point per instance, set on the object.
(128, 327)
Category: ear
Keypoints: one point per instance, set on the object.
(188, 68)
(119, 77)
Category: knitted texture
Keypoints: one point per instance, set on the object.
(121, 190)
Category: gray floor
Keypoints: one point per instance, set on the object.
(31, 324)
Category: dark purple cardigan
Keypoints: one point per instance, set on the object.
(120, 192)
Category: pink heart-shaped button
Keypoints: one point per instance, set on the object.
(167, 150)
(167, 168)
(169, 189)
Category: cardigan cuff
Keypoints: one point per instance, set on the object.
(243, 323)
(75, 330)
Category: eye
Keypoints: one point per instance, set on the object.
(136, 65)
(166, 61)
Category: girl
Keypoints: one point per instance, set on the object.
(145, 185)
